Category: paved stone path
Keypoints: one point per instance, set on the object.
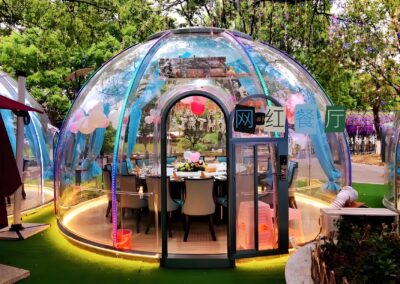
(9, 274)
(298, 267)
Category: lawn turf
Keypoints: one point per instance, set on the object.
(370, 194)
(51, 258)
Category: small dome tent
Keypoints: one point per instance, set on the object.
(38, 149)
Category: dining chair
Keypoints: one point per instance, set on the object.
(267, 179)
(171, 159)
(221, 159)
(131, 198)
(292, 175)
(154, 186)
(140, 162)
(199, 201)
(124, 168)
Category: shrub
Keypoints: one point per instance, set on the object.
(363, 253)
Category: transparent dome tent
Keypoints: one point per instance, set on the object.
(38, 148)
(392, 163)
(142, 112)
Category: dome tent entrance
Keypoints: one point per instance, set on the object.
(254, 151)
(116, 120)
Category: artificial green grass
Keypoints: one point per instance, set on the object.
(52, 259)
(370, 194)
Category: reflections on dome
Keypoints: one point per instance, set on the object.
(195, 65)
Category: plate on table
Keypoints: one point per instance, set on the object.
(220, 177)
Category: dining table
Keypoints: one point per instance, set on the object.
(177, 179)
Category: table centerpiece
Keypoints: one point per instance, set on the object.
(191, 166)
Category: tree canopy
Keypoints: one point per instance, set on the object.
(352, 47)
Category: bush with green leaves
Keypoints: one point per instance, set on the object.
(363, 253)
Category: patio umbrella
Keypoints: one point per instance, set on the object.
(6, 103)
(10, 179)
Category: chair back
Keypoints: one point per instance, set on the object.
(154, 186)
(140, 162)
(108, 167)
(128, 184)
(107, 183)
(221, 159)
(292, 172)
(199, 199)
(171, 159)
(124, 168)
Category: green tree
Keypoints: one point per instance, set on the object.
(354, 53)
(367, 41)
(51, 39)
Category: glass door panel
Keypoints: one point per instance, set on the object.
(257, 180)
(267, 196)
(244, 176)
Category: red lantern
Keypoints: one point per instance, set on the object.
(197, 108)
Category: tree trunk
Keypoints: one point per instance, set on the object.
(375, 110)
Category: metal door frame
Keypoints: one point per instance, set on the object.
(187, 260)
(283, 204)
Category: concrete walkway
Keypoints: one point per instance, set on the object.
(363, 173)
(298, 267)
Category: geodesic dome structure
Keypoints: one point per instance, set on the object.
(116, 120)
(392, 163)
(38, 147)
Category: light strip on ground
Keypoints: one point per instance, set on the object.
(311, 201)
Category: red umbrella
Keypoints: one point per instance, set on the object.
(6, 103)
(10, 179)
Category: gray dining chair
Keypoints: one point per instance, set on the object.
(131, 199)
(199, 201)
(154, 186)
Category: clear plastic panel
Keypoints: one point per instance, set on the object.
(291, 84)
(85, 150)
(397, 174)
(38, 169)
(178, 67)
(320, 172)
(138, 228)
(392, 173)
(32, 175)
